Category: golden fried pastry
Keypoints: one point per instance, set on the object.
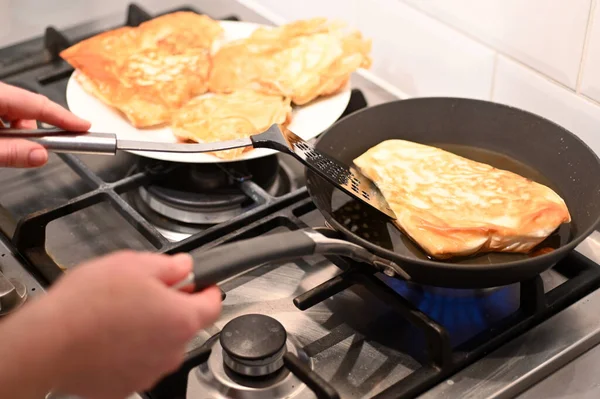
(302, 60)
(180, 30)
(232, 116)
(452, 206)
(149, 71)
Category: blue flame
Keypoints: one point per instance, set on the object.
(463, 313)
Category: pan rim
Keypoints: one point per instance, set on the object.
(550, 258)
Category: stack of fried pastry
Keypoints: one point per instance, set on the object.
(157, 74)
(302, 60)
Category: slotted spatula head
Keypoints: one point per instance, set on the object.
(346, 178)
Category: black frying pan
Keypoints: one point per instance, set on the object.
(502, 136)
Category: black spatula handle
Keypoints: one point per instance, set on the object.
(273, 138)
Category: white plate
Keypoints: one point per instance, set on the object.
(308, 121)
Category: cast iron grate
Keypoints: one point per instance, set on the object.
(443, 360)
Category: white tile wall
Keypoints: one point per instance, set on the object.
(590, 82)
(539, 55)
(421, 56)
(292, 10)
(521, 87)
(410, 50)
(547, 35)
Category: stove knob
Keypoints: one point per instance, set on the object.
(13, 294)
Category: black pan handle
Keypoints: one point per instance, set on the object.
(225, 261)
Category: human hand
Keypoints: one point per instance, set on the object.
(21, 108)
(125, 328)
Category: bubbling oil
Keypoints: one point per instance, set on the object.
(370, 225)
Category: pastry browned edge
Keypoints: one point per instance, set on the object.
(149, 71)
(230, 116)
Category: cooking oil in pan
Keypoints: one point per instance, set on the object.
(371, 226)
(497, 160)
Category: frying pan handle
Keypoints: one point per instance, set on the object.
(225, 261)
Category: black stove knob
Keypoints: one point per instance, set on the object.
(13, 294)
(253, 344)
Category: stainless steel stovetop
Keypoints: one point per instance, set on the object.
(364, 336)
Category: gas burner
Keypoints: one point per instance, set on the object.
(247, 361)
(189, 198)
(253, 345)
(411, 290)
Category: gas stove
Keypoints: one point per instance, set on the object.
(314, 327)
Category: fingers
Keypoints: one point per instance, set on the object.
(17, 103)
(175, 268)
(166, 268)
(17, 153)
(24, 124)
(206, 304)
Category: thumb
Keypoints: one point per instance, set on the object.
(206, 305)
(172, 269)
(18, 153)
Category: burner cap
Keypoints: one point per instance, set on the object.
(253, 344)
(253, 337)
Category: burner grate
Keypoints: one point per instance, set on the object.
(443, 359)
(136, 15)
(54, 43)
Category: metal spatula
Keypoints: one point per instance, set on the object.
(348, 179)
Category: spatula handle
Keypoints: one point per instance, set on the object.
(28, 133)
(58, 140)
(274, 138)
(91, 143)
